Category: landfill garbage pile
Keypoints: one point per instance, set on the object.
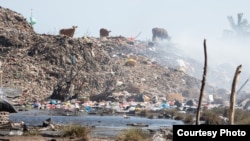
(59, 67)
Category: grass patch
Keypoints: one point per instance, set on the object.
(77, 131)
(134, 134)
(34, 132)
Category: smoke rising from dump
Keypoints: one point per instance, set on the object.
(224, 55)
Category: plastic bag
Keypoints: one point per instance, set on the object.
(32, 21)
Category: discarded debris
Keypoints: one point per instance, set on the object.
(47, 66)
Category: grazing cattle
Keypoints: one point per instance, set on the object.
(68, 32)
(160, 33)
(104, 33)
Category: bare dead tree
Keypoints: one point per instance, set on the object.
(203, 84)
(64, 89)
(233, 95)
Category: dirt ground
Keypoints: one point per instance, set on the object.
(41, 138)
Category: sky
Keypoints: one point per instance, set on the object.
(130, 17)
(188, 22)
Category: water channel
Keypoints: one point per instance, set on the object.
(108, 125)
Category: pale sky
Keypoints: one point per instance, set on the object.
(204, 18)
(188, 22)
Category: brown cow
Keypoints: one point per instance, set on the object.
(104, 33)
(160, 33)
(68, 32)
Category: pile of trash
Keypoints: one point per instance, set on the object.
(59, 67)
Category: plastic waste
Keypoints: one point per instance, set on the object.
(32, 21)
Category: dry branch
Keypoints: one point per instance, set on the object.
(233, 93)
(203, 84)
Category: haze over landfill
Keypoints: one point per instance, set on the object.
(188, 23)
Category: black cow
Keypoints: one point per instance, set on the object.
(160, 33)
(104, 33)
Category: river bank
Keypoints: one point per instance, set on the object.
(41, 138)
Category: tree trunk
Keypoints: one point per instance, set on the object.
(233, 95)
(203, 85)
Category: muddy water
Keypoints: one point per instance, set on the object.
(108, 125)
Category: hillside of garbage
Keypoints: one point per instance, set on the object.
(46, 66)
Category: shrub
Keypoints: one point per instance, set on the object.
(134, 134)
(180, 116)
(211, 118)
(171, 112)
(245, 121)
(34, 132)
(189, 119)
(76, 131)
(240, 116)
(143, 113)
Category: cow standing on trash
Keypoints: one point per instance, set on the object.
(104, 33)
(160, 33)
